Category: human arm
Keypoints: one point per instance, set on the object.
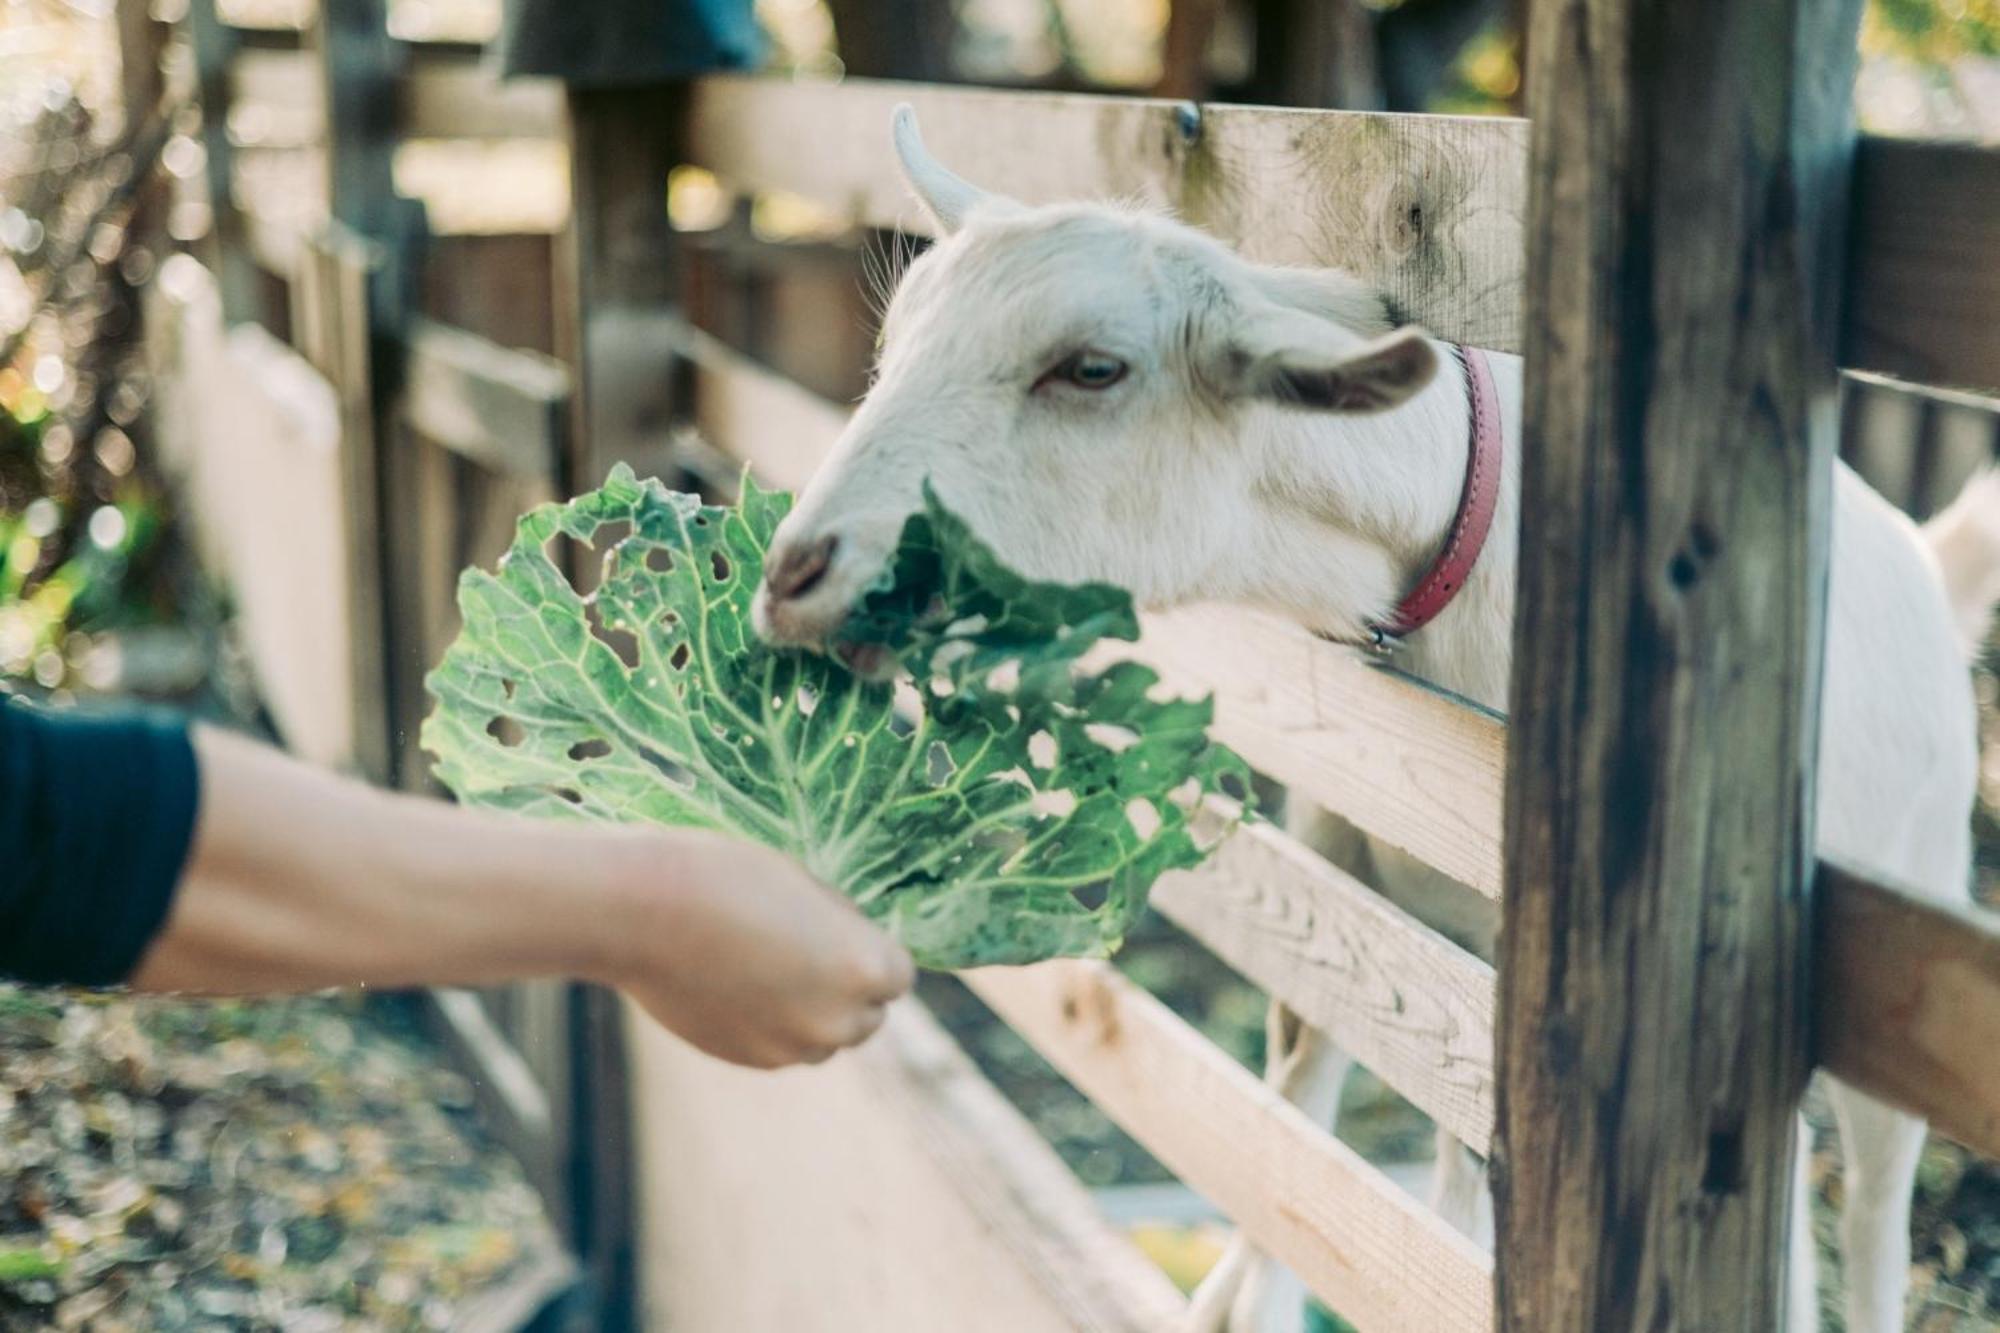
(297, 879)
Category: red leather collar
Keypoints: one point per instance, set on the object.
(1476, 503)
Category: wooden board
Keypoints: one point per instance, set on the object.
(1915, 1016)
(455, 94)
(1924, 284)
(1398, 997)
(278, 98)
(1378, 1257)
(1688, 184)
(1418, 768)
(505, 409)
(252, 435)
(1428, 208)
(891, 1189)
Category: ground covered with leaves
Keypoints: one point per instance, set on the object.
(294, 1164)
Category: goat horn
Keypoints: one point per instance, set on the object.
(948, 196)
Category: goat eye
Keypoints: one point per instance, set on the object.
(1088, 370)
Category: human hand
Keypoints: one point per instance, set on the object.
(747, 957)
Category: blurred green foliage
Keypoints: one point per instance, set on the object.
(71, 539)
(1932, 32)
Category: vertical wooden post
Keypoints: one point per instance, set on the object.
(620, 277)
(620, 284)
(360, 63)
(1688, 180)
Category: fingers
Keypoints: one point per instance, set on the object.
(887, 974)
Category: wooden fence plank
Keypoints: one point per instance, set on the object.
(331, 323)
(454, 94)
(513, 1103)
(506, 409)
(892, 1189)
(1418, 768)
(1910, 1008)
(277, 98)
(1428, 208)
(1397, 996)
(1923, 284)
(1688, 181)
(1378, 1257)
(1030, 1203)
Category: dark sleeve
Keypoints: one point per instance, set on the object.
(96, 816)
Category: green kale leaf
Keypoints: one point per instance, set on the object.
(1000, 802)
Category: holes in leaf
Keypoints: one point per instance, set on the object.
(1005, 678)
(909, 707)
(965, 626)
(719, 564)
(666, 768)
(1042, 750)
(660, 560)
(570, 794)
(807, 700)
(507, 731)
(507, 688)
(679, 660)
(594, 748)
(939, 766)
(1233, 786)
(1061, 804)
(1143, 817)
(612, 634)
(1111, 736)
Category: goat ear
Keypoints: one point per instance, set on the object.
(1299, 365)
(945, 195)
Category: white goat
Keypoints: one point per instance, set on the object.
(1105, 393)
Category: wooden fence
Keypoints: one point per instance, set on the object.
(898, 1190)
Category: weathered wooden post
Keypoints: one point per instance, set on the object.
(1688, 180)
(226, 248)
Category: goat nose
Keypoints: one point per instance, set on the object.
(800, 567)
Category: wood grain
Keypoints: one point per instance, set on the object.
(1418, 768)
(331, 324)
(1430, 209)
(1427, 208)
(1912, 1013)
(1923, 284)
(1688, 178)
(1377, 1257)
(892, 1190)
(1392, 993)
